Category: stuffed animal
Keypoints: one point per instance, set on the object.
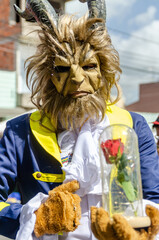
(118, 228)
(61, 212)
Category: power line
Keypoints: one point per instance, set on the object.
(138, 55)
(134, 36)
(139, 69)
(112, 29)
(138, 62)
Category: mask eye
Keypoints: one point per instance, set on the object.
(62, 69)
(89, 66)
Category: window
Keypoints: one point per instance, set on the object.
(13, 17)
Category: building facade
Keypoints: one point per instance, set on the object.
(16, 45)
(10, 29)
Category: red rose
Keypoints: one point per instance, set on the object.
(111, 149)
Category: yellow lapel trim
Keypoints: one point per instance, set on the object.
(118, 115)
(46, 138)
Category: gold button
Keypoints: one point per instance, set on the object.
(38, 175)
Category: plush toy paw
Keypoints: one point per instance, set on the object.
(61, 212)
(118, 228)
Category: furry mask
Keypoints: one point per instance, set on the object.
(75, 65)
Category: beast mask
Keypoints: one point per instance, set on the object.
(75, 65)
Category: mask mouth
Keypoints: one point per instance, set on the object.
(77, 94)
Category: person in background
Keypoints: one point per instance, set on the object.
(156, 127)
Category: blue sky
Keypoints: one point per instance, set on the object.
(134, 28)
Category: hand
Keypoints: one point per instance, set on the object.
(61, 212)
(119, 229)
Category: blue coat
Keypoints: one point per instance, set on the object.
(21, 156)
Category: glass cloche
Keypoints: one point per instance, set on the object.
(120, 172)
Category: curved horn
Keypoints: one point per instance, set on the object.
(24, 14)
(38, 10)
(97, 8)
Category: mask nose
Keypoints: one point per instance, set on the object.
(76, 75)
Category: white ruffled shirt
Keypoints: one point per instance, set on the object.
(85, 167)
(85, 164)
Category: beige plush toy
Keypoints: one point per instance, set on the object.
(118, 228)
(61, 212)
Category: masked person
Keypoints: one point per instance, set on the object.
(72, 74)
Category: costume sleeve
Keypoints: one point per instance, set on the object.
(9, 213)
(149, 159)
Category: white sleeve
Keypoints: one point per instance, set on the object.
(28, 218)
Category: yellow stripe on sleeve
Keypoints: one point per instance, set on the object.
(3, 205)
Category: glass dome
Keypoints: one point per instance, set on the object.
(120, 172)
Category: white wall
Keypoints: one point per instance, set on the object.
(7, 89)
